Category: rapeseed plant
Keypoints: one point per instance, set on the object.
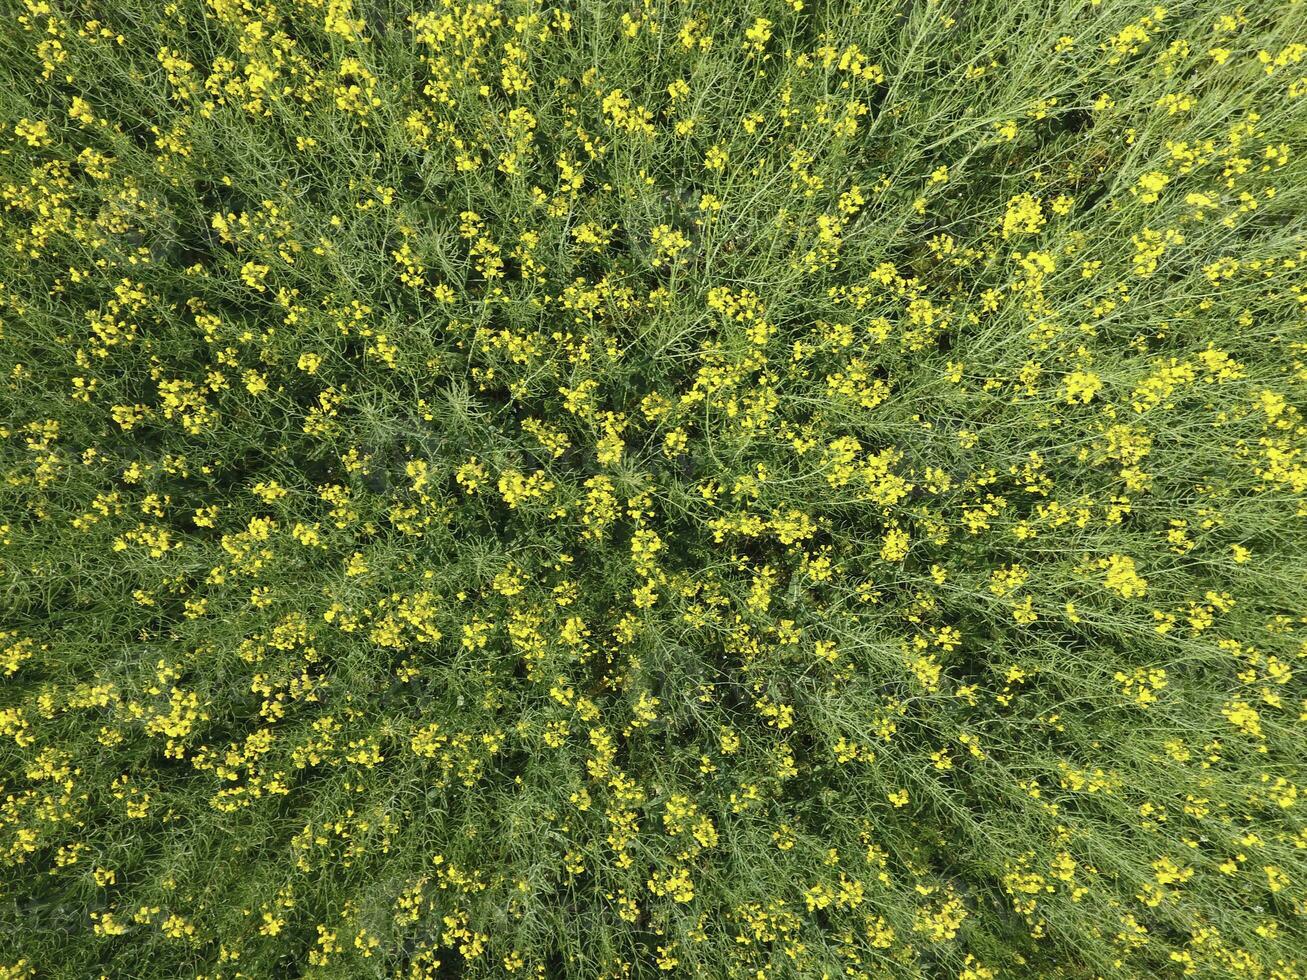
(501, 489)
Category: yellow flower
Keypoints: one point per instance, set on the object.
(1122, 577)
(716, 157)
(894, 547)
(1081, 386)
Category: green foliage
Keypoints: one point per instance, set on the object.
(760, 490)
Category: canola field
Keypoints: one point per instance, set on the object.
(613, 490)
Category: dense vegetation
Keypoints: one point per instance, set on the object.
(605, 490)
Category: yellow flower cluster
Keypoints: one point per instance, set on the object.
(496, 489)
